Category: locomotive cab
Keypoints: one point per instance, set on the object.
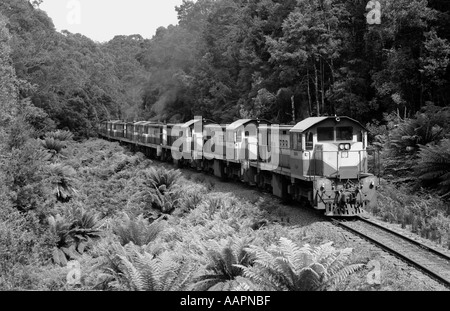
(330, 153)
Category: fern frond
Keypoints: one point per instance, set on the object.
(288, 249)
(132, 275)
(342, 274)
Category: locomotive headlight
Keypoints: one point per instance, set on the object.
(347, 146)
(341, 146)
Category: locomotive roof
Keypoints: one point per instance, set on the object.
(145, 123)
(236, 124)
(190, 123)
(313, 121)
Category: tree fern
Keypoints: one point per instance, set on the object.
(73, 232)
(434, 166)
(164, 201)
(288, 267)
(60, 135)
(63, 179)
(144, 272)
(406, 138)
(137, 230)
(222, 269)
(53, 145)
(428, 126)
(158, 177)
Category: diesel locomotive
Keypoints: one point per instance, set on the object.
(322, 161)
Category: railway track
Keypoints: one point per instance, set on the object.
(428, 260)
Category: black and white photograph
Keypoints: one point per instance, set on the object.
(225, 150)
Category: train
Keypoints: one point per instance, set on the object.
(320, 161)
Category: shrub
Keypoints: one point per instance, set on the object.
(25, 244)
(422, 214)
(24, 177)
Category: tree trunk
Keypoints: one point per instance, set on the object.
(309, 92)
(316, 88)
(293, 108)
(322, 78)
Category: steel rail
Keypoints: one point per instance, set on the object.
(412, 241)
(399, 254)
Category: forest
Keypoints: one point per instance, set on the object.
(225, 59)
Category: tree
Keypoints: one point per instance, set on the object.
(311, 42)
(8, 91)
(434, 68)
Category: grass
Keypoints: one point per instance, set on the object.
(421, 213)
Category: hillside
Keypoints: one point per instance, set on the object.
(65, 194)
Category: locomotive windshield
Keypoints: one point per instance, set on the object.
(344, 133)
(325, 133)
(328, 133)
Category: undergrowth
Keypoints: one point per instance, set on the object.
(132, 225)
(422, 213)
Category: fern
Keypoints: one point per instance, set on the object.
(60, 135)
(342, 274)
(434, 166)
(222, 270)
(428, 126)
(288, 267)
(407, 136)
(164, 201)
(144, 272)
(63, 178)
(54, 146)
(73, 233)
(137, 230)
(161, 178)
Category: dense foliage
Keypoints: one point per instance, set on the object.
(125, 238)
(280, 60)
(132, 225)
